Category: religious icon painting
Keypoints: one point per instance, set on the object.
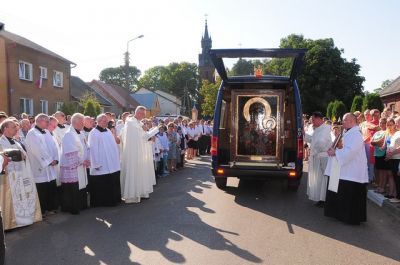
(257, 125)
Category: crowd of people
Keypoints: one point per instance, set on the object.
(70, 163)
(346, 157)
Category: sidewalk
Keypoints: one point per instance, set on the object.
(392, 209)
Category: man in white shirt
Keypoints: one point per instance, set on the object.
(164, 142)
(350, 203)
(44, 157)
(203, 137)
(208, 136)
(104, 178)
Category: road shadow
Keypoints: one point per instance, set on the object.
(125, 234)
(273, 199)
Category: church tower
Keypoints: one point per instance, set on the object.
(206, 67)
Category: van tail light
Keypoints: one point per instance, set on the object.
(300, 148)
(220, 171)
(214, 146)
(292, 174)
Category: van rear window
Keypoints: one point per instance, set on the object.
(258, 66)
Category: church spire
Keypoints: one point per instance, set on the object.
(206, 42)
(206, 67)
(206, 32)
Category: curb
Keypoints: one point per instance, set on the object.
(392, 209)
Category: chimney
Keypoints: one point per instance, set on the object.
(1, 26)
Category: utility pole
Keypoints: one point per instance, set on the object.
(127, 61)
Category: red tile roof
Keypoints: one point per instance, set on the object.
(118, 94)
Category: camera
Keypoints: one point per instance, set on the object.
(14, 154)
(110, 125)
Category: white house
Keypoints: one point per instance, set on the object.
(169, 104)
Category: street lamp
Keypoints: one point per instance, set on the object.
(127, 61)
(127, 49)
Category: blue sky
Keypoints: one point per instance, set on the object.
(94, 34)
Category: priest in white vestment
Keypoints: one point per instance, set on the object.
(320, 142)
(19, 201)
(137, 171)
(44, 157)
(62, 127)
(350, 202)
(73, 163)
(104, 178)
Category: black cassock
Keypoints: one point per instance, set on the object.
(349, 204)
(105, 190)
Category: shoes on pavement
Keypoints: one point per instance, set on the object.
(394, 200)
(320, 204)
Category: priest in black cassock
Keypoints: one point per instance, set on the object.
(73, 163)
(349, 204)
(44, 157)
(104, 178)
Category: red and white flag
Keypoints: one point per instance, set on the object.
(39, 82)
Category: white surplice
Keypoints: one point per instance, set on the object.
(320, 142)
(104, 153)
(352, 158)
(74, 150)
(137, 170)
(42, 150)
(60, 132)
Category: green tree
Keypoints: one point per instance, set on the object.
(209, 93)
(152, 78)
(329, 110)
(118, 76)
(242, 67)
(70, 108)
(357, 104)
(372, 101)
(173, 79)
(338, 110)
(90, 105)
(325, 75)
(383, 85)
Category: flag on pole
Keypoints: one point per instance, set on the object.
(39, 82)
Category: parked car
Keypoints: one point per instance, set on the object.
(258, 128)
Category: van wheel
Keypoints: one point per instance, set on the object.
(293, 185)
(221, 183)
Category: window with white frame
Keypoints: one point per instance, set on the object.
(25, 71)
(43, 72)
(44, 106)
(26, 105)
(57, 106)
(57, 79)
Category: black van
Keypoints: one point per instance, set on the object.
(258, 127)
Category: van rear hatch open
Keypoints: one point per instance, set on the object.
(291, 59)
(264, 109)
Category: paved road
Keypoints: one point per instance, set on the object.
(189, 221)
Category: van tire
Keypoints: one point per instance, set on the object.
(221, 183)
